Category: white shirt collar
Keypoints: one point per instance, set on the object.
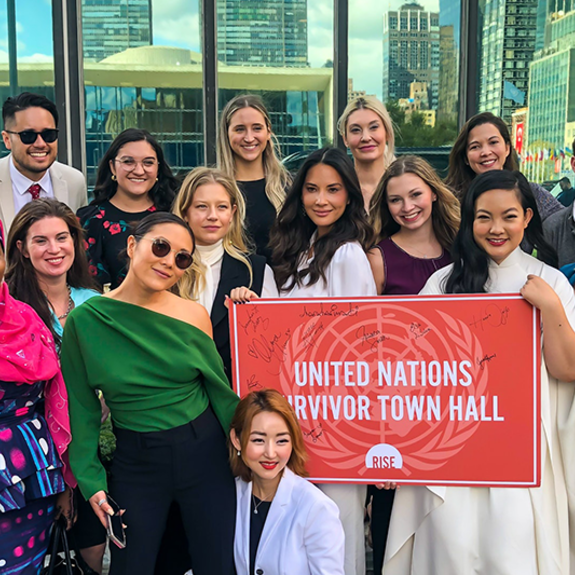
(512, 259)
(20, 183)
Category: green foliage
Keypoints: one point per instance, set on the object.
(413, 133)
(107, 443)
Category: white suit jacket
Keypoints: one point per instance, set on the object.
(302, 534)
(69, 186)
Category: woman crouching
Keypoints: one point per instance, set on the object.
(283, 522)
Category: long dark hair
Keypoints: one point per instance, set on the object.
(471, 263)
(20, 274)
(460, 174)
(290, 236)
(163, 191)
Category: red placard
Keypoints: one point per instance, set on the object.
(434, 390)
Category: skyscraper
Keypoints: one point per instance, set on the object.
(112, 26)
(262, 32)
(410, 52)
(447, 108)
(552, 85)
(507, 46)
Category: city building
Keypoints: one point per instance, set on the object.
(552, 85)
(112, 26)
(160, 89)
(418, 101)
(262, 32)
(507, 46)
(410, 52)
(448, 97)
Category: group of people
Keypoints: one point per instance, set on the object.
(120, 307)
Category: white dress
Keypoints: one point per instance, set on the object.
(496, 531)
(348, 274)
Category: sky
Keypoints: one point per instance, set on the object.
(176, 23)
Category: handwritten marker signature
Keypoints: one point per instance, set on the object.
(267, 349)
(493, 315)
(371, 338)
(255, 321)
(486, 358)
(253, 384)
(314, 434)
(416, 329)
(311, 334)
(332, 311)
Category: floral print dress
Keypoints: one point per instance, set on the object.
(107, 229)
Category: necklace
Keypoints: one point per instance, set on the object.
(257, 505)
(70, 304)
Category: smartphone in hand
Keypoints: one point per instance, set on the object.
(115, 528)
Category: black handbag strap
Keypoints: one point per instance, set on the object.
(59, 543)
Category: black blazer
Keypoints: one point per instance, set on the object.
(234, 274)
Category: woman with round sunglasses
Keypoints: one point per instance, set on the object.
(133, 181)
(152, 355)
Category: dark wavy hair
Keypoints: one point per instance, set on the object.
(471, 263)
(290, 236)
(460, 174)
(20, 274)
(163, 191)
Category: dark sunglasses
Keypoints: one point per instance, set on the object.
(29, 136)
(161, 248)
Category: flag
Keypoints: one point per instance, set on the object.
(512, 92)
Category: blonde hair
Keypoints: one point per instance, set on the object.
(373, 104)
(445, 214)
(277, 177)
(235, 241)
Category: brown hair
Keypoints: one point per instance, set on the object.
(272, 401)
(460, 174)
(445, 215)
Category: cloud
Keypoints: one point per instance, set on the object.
(176, 23)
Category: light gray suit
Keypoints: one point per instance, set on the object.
(68, 184)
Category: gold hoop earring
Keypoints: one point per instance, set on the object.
(114, 177)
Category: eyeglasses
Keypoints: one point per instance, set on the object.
(129, 164)
(28, 137)
(161, 248)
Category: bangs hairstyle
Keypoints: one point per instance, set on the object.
(271, 401)
(471, 262)
(162, 192)
(460, 175)
(292, 231)
(445, 213)
(235, 241)
(373, 104)
(277, 177)
(20, 274)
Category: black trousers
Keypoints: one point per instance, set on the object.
(381, 506)
(188, 465)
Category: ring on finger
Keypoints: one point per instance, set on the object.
(101, 502)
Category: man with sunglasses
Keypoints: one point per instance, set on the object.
(30, 171)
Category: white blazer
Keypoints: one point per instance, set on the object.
(302, 534)
(68, 184)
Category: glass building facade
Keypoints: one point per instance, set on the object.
(262, 32)
(110, 26)
(411, 52)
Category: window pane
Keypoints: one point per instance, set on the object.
(142, 68)
(281, 50)
(33, 48)
(527, 77)
(407, 55)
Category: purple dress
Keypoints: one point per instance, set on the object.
(405, 274)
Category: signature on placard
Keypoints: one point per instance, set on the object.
(371, 338)
(416, 329)
(492, 315)
(268, 349)
(333, 310)
(253, 384)
(254, 321)
(311, 334)
(314, 434)
(486, 358)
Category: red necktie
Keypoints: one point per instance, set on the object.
(34, 190)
